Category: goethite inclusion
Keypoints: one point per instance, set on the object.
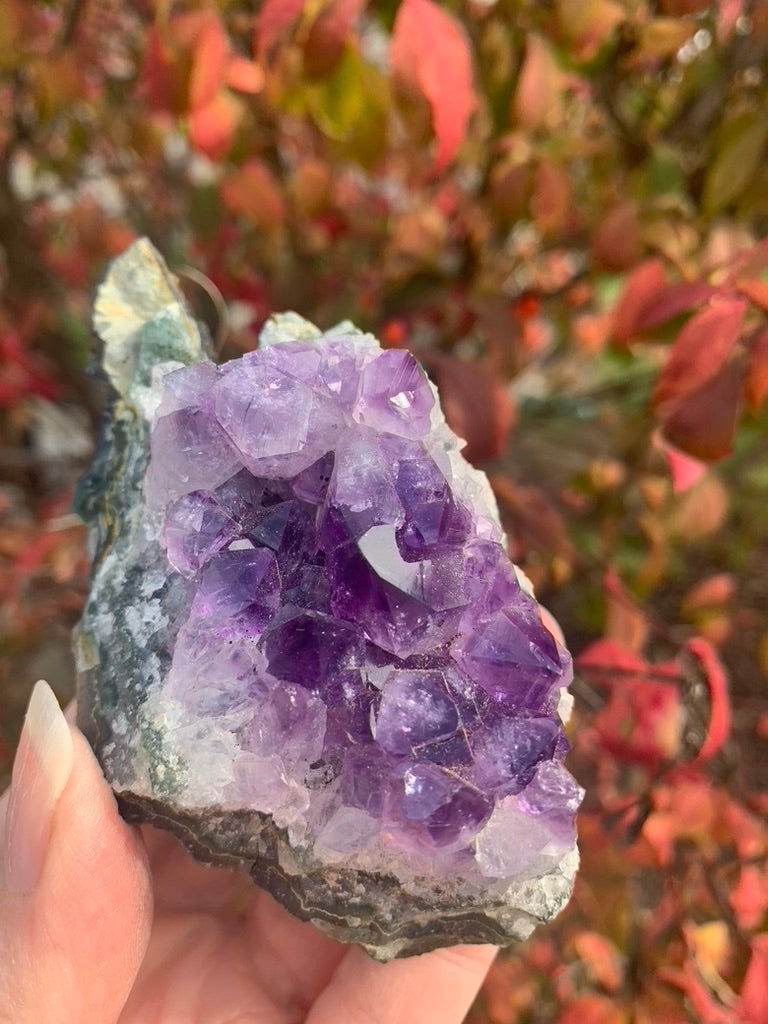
(306, 650)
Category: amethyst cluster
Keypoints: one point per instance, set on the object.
(348, 603)
(338, 678)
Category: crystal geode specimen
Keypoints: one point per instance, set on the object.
(305, 650)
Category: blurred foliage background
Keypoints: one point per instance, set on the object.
(561, 207)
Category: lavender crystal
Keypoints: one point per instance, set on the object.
(336, 645)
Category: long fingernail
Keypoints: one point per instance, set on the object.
(40, 771)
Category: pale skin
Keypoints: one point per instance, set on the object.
(121, 925)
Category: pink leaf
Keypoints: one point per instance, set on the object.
(684, 469)
(430, 47)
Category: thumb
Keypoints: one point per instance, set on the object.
(75, 888)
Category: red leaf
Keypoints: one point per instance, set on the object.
(671, 301)
(212, 127)
(476, 404)
(754, 992)
(703, 1003)
(607, 657)
(592, 1009)
(702, 423)
(716, 682)
(684, 470)
(643, 283)
(161, 80)
(23, 374)
(534, 522)
(642, 720)
(275, 16)
(700, 350)
(429, 47)
(328, 35)
(756, 389)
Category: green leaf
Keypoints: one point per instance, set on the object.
(741, 149)
(350, 107)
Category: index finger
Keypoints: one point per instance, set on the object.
(436, 988)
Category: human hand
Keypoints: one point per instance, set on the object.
(101, 922)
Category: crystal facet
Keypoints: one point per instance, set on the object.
(305, 648)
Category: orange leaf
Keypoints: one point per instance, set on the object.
(252, 192)
(588, 25)
(716, 682)
(615, 243)
(602, 959)
(209, 60)
(700, 350)
(755, 291)
(244, 75)
(539, 86)
(275, 17)
(710, 592)
(625, 622)
(749, 897)
(757, 370)
(442, 70)
(212, 127)
(552, 199)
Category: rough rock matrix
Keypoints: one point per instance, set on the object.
(305, 650)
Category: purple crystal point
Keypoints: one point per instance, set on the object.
(416, 709)
(240, 583)
(394, 396)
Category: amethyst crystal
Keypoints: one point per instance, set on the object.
(305, 648)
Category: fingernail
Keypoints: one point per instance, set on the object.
(41, 768)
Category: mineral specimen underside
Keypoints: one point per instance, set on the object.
(305, 650)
